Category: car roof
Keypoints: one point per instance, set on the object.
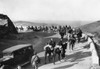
(16, 47)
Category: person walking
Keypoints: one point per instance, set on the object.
(35, 60)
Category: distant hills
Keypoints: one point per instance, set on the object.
(49, 23)
(91, 27)
(27, 23)
(86, 26)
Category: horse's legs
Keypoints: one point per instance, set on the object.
(70, 46)
(73, 44)
(59, 56)
(45, 57)
(49, 57)
(63, 54)
(54, 55)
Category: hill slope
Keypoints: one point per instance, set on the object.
(27, 23)
(92, 27)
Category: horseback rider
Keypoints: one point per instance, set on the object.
(48, 45)
(79, 34)
(58, 46)
(52, 43)
(57, 51)
(48, 50)
(62, 32)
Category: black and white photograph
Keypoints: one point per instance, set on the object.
(49, 34)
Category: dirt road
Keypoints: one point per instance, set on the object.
(80, 58)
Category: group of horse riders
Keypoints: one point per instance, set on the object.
(55, 48)
(73, 35)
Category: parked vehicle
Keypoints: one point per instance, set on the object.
(17, 55)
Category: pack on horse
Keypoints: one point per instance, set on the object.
(57, 51)
(48, 51)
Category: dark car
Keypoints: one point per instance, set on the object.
(17, 55)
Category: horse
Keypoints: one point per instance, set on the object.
(71, 41)
(57, 51)
(48, 51)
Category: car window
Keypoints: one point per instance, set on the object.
(7, 55)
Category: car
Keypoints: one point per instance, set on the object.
(17, 55)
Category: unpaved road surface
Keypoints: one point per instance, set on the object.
(79, 58)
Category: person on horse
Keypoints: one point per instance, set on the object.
(70, 31)
(52, 43)
(48, 45)
(57, 51)
(62, 32)
(58, 46)
(48, 50)
(79, 34)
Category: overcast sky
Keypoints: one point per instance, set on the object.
(57, 10)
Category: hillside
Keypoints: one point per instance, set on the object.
(28, 23)
(91, 27)
(50, 23)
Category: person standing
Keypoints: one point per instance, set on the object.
(35, 60)
(52, 43)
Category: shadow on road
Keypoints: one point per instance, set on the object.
(66, 66)
(77, 56)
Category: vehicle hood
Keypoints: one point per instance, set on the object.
(4, 59)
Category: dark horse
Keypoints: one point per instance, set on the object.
(48, 51)
(57, 51)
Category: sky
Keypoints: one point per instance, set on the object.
(54, 10)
